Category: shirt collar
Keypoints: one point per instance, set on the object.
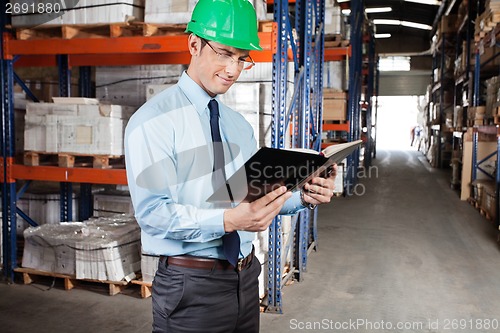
(195, 94)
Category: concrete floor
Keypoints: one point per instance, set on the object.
(404, 254)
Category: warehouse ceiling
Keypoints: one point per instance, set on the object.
(404, 38)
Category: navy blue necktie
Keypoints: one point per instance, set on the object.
(230, 241)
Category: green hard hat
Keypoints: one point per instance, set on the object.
(229, 22)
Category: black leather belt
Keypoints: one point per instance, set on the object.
(187, 261)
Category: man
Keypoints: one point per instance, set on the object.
(179, 145)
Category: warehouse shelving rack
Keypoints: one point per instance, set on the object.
(307, 54)
(445, 49)
(357, 20)
(469, 86)
(369, 106)
(493, 130)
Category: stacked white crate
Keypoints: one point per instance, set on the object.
(100, 249)
(149, 266)
(76, 125)
(126, 85)
(43, 208)
(113, 254)
(110, 204)
(179, 11)
(82, 12)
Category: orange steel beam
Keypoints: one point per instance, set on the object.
(337, 53)
(123, 59)
(69, 175)
(152, 44)
(9, 161)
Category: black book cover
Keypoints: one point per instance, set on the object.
(270, 168)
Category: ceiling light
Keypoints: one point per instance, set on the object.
(426, 2)
(403, 23)
(382, 35)
(416, 25)
(386, 22)
(378, 10)
(370, 10)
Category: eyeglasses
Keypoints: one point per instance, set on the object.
(227, 60)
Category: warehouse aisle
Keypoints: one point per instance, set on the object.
(403, 251)
(408, 251)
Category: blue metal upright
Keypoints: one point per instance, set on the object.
(9, 229)
(277, 141)
(85, 208)
(355, 81)
(304, 114)
(370, 144)
(303, 26)
(66, 189)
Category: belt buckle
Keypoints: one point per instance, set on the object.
(239, 265)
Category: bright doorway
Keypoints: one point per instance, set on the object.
(396, 116)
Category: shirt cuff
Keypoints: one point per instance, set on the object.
(211, 224)
(293, 205)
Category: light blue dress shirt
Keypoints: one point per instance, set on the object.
(169, 162)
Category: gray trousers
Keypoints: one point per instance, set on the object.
(212, 301)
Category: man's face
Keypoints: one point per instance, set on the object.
(211, 65)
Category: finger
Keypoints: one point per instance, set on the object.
(334, 170)
(271, 196)
(318, 183)
(318, 198)
(273, 208)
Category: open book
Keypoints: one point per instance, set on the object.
(270, 168)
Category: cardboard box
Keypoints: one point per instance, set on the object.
(448, 23)
(484, 149)
(329, 93)
(334, 109)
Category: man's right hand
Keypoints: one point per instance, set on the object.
(257, 215)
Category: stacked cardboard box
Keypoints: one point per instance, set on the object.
(448, 24)
(77, 126)
(76, 12)
(492, 98)
(100, 249)
(334, 104)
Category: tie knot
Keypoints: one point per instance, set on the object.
(213, 106)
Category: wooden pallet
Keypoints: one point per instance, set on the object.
(473, 203)
(66, 160)
(70, 281)
(72, 31)
(145, 287)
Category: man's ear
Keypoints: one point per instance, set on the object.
(194, 44)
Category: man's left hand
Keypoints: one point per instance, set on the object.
(320, 190)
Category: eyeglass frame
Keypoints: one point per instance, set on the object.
(226, 56)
